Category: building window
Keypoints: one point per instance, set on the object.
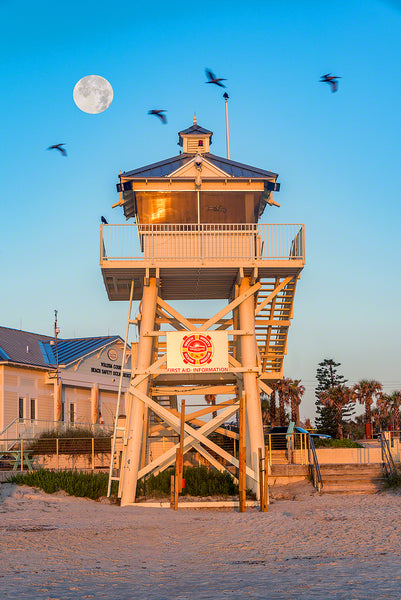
(33, 409)
(62, 412)
(20, 408)
(200, 143)
(72, 413)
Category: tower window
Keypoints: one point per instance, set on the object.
(200, 143)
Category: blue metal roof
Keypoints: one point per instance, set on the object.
(39, 350)
(71, 350)
(3, 355)
(165, 167)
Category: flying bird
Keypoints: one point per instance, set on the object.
(103, 220)
(331, 79)
(159, 113)
(58, 147)
(213, 79)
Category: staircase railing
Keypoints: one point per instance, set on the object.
(387, 457)
(314, 468)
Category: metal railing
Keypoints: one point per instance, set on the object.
(248, 241)
(78, 453)
(388, 461)
(314, 466)
(30, 428)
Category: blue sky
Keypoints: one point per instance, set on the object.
(338, 155)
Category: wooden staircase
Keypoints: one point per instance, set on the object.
(273, 321)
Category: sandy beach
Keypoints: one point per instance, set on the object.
(306, 546)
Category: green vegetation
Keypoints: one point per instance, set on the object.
(83, 485)
(199, 481)
(336, 443)
(74, 432)
(394, 480)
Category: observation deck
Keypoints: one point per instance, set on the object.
(197, 261)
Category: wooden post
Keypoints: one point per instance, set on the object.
(261, 478)
(93, 454)
(266, 481)
(57, 463)
(177, 478)
(172, 491)
(242, 455)
(182, 434)
(22, 455)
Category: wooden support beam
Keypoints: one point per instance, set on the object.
(201, 390)
(197, 434)
(264, 387)
(252, 290)
(174, 313)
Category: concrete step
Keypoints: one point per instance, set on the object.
(365, 478)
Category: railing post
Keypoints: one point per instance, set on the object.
(22, 454)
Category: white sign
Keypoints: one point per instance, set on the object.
(190, 352)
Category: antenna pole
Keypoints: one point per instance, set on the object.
(56, 332)
(226, 96)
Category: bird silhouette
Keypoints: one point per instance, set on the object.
(103, 220)
(159, 113)
(331, 79)
(58, 147)
(213, 79)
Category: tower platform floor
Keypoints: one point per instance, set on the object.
(190, 280)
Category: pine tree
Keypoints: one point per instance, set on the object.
(328, 377)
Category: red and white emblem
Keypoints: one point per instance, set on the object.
(197, 349)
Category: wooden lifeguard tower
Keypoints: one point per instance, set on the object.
(196, 235)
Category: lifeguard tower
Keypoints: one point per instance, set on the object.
(196, 235)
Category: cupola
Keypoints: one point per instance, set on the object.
(195, 139)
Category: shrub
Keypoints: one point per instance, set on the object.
(335, 443)
(199, 481)
(83, 485)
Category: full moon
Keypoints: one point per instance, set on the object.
(93, 94)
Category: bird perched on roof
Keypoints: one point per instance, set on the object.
(103, 220)
(159, 113)
(331, 79)
(213, 79)
(58, 147)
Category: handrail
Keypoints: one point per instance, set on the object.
(314, 466)
(388, 460)
(205, 241)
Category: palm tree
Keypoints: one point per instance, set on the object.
(272, 406)
(264, 405)
(365, 390)
(337, 397)
(389, 405)
(296, 391)
(283, 397)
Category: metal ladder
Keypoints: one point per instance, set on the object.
(118, 429)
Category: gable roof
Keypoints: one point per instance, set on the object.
(38, 350)
(165, 167)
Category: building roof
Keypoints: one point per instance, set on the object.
(39, 350)
(165, 167)
(194, 130)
